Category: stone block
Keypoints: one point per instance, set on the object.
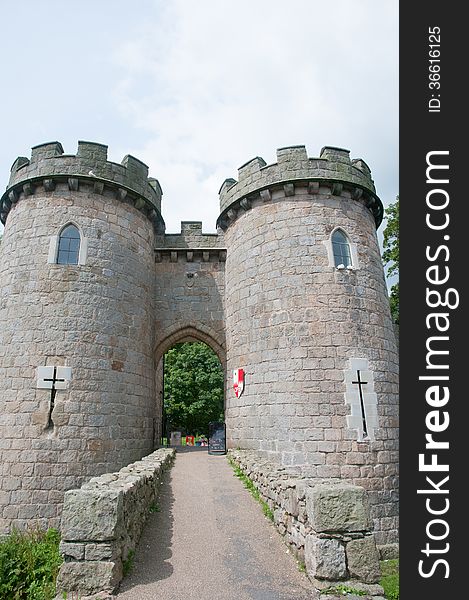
(89, 577)
(71, 550)
(363, 559)
(92, 515)
(100, 551)
(325, 558)
(291, 502)
(388, 551)
(338, 507)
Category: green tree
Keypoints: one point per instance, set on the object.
(391, 254)
(193, 387)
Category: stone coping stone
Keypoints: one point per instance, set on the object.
(338, 507)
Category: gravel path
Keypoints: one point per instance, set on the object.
(210, 540)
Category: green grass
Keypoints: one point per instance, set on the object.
(249, 485)
(29, 563)
(390, 578)
(343, 590)
(128, 563)
(389, 581)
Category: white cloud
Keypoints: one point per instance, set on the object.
(214, 83)
(195, 89)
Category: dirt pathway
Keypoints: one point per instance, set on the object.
(210, 540)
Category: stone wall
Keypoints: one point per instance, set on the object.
(325, 522)
(294, 165)
(189, 294)
(264, 293)
(96, 318)
(294, 321)
(88, 164)
(102, 522)
(190, 289)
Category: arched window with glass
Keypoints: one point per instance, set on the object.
(68, 250)
(341, 249)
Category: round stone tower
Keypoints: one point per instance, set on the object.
(308, 319)
(76, 311)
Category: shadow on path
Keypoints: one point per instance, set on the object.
(153, 553)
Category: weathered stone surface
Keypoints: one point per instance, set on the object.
(92, 515)
(363, 559)
(105, 419)
(291, 502)
(89, 577)
(90, 162)
(72, 550)
(339, 507)
(325, 559)
(263, 294)
(108, 515)
(100, 551)
(281, 293)
(388, 551)
(293, 163)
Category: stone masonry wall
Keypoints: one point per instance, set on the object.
(294, 165)
(324, 522)
(190, 289)
(102, 522)
(89, 163)
(294, 321)
(263, 293)
(96, 318)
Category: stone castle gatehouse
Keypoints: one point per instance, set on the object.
(93, 293)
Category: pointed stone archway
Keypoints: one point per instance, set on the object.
(191, 333)
(177, 335)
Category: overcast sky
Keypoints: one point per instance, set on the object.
(197, 88)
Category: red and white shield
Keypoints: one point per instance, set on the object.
(238, 382)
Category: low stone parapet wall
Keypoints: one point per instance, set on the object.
(326, 523)
(102, 522)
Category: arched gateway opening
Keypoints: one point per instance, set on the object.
(190, 384)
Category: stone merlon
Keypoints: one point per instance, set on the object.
(293, 165)
(48, 162)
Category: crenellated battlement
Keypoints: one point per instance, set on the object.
(191, 245)
(49, 165)
(333, 168)
(191, 236)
